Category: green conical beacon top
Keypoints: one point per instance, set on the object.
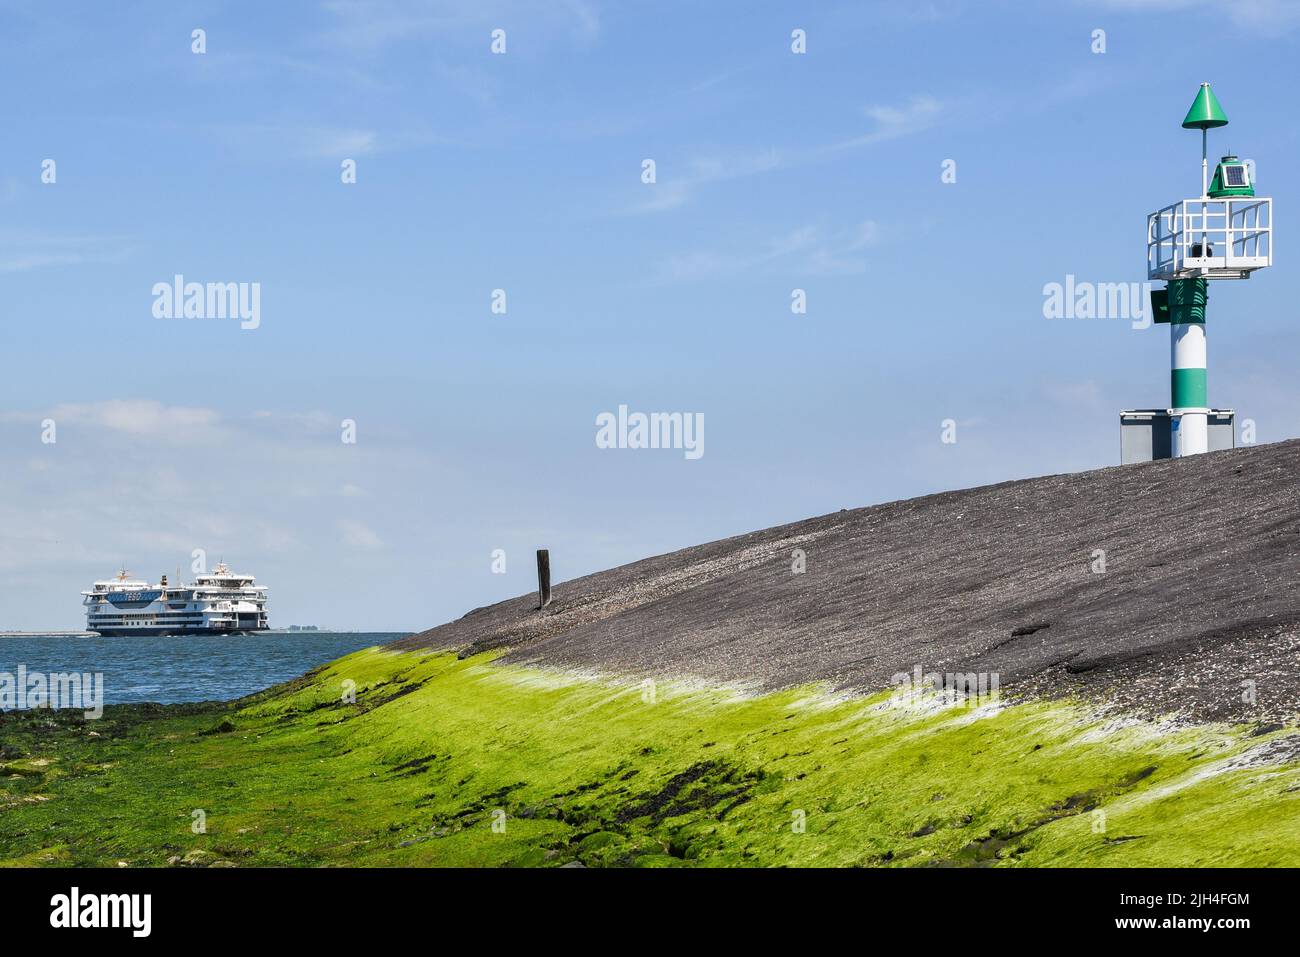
(1206, 113)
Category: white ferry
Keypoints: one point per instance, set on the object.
(219, 603)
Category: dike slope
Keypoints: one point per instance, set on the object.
(1198, 596)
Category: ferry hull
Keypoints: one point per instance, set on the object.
(171, 632)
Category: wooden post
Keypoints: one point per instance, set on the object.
(543, 577)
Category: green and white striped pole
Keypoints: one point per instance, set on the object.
(1188, 413)
(1189, 401)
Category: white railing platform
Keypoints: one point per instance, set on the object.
(1225, 238)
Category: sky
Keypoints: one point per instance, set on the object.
(382, 437)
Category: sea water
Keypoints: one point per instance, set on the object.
(195, 668)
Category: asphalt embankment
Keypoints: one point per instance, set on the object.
(1165, 587)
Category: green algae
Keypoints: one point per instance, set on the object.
(386, 758)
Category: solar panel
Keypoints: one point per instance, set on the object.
(1236, 175)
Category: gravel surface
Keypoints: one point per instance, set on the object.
(1196, 611)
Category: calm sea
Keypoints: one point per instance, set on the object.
(169, 670)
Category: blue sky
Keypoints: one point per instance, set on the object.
(522, 172)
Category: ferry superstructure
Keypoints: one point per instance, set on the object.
(218, 603)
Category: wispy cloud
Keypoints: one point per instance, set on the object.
(26, 261)
(314, 422)
(892, 122)
(159, 422)
(356, 534)
(225, 66)
(112, 488)
(675, 189)
(296, 142)
(808, 250)
(331, 143)
(142, 418)
(1255, 16)
(368, 26)
(22, 252)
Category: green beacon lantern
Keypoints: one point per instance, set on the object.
(1225, 233)
(1231, 178)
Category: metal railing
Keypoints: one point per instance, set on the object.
(1212, 238)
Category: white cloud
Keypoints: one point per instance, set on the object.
(367, 26)
(807, 250)
(893, 122)
(264, 491)
(865, 234)
(1258, 16)
(315, 422)
(332, 143)
(25, 261)
(302, 142)
(139, 417)
(664, 196)
(21, 252)
(1262, 15)
(677, 184)
(357, 535)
